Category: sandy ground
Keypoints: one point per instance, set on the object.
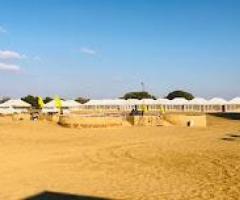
(121, 163)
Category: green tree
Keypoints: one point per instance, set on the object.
(82, 100)
(47, 99)
(31, 100)
(179, 94)
(138, 95)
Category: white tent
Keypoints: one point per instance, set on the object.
(178, 104)
(14, 106)
(148, 102)
(94, 102)
(106, 104)
(50, 110)
(71, 104)
(50, 107)
(50, 104)
(197, 105)
(8, 111)
(15, 103)
(133, 102)
(217, 101)
(198, 101)
(161, 101)
(179, 101)
(234, 105)
(216, 105)
(235, 101)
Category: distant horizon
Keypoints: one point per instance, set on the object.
(103, 49)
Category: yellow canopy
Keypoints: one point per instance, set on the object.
(40, 102)
(58, 102)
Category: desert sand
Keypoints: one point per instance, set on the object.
(169, 163)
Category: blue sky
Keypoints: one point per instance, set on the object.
(104, 48)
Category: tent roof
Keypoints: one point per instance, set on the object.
(179, 101)
(133, 102)
(15, 103)
(217, 101)
(148, 101)
(163, 101)
(71, 103)
(51, 104)
(235, 101)
(105, 102)
(198, 101)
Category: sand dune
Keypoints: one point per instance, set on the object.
(121, 163)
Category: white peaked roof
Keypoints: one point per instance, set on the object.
(179, 101)
(71, 103)
(92, 102)
(95, 102)
(116, 102)
(217, 101)
(198, 101)
(15, 103)
(163, 101)
(133, 102)
(148, 101)
(235, 101)
(51, 104)
(106, 102)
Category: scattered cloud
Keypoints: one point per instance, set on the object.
(2, 30)
(9, 67)
(6, 54)
(88, 51)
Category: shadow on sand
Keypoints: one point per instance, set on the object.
(228, 139)
(46, 195)
(231, 116)
(231, 137)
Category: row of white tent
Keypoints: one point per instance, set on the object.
(19, 106)
(176, 101)
(177, 104)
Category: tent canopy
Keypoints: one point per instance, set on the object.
(148, 101)
(217, 101)
(179, 101)
(71, 103)
(52, 104)
(106, 102)
(162, 101)
(235, 101)
(15, 103)
(198, 101)
(133, 102)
